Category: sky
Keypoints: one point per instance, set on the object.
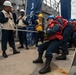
(73, 9)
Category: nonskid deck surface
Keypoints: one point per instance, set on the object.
(21, 64)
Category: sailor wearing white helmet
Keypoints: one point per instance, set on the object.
(6, 20)
(7, 3)
(22, 23)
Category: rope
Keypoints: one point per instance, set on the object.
(19, 30)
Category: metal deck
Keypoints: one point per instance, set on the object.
(21, 64)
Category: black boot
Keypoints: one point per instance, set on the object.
(67, 52)
(57, 51)
(70, 45)
(37, 45)
(62, 57)
(15, 51)
(39, 59)
(4, 54)
(27, 47)
(46, 68)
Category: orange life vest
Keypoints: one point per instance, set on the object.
(57, 35)
(64, 21)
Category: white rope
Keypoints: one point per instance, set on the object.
(18, 30)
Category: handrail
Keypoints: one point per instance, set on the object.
(52, 3)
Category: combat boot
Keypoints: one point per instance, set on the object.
(46, 68)
(4, 54)
(39, 59)
(27, 47)
(36, 45)
(15, 51)
(62, 57)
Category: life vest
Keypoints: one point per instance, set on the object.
(39, 26)
(65, 22)
(20, 23)
(10, 24)
(57, 35)
(62, 21)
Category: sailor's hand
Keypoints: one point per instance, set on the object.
(9, 16)
(19, 18)
(44, 31)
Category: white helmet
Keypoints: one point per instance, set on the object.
(7, 3)
(22, 10)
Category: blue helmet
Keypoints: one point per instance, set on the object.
(50, 17)
(72, 19)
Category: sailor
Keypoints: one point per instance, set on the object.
(7, 22)
(54, 35)
(39, 29)
(22, 23)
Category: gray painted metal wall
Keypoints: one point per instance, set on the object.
(46, 10)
